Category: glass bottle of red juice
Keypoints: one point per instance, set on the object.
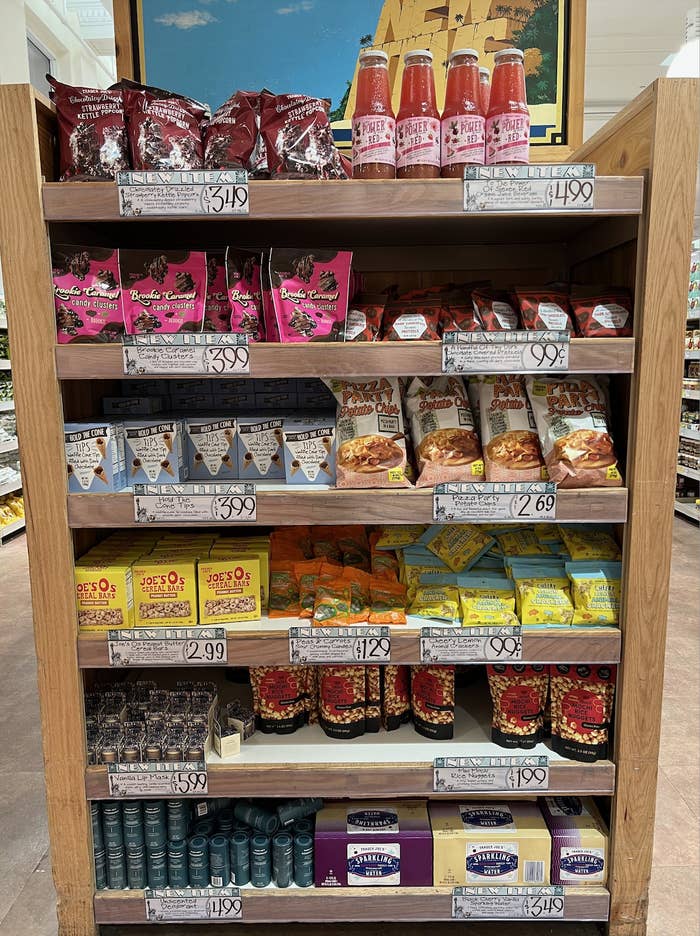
(462, 125)
(508, 119)
(418, 121)
(373, 123)
(485, 88)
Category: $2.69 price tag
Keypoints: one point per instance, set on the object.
(508, 903)
(339, 645)
(163, 779)
(464, 501)
(190, 903)
(491, 774)
(195, 503)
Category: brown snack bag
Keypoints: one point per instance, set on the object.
(342, 700)
(518, 694)
(582, 699)
(433, 701)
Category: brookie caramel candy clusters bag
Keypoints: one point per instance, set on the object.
(244, 293)
(217, 312)
(92, 138)
(310, 292)
(163, 292)
(87, 294)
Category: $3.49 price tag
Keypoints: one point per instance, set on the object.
(195, 503)
(466, 502)
(491, 774)
(163, 779)
(508, 903)
(167, 646)
(210, 355)
(179, 905)
(339, 645)
(183, 192)
(505, 352)
(471, 644)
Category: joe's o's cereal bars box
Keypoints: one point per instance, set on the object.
(229, 589)
(165, 592)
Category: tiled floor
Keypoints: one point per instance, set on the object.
(27, 899)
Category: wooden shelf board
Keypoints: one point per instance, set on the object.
(345, 904)
(7, 406)
(266, 643)
(12, 528)
(688, 472)
(398, 359)
(691, 394)
(283, 201)
(688, 509)
(396, 763)
(335, 505)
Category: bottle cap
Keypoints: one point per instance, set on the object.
(484, 71)
(457, 52)
(503, 52)
(417, 53)
(374, 53)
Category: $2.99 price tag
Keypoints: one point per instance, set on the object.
(339, 645)
(167, 646)
(178, 905)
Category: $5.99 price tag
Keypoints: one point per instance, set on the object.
(490, 774)
(339, 645)
(163, 779)
(508, 903)
(178, 905)
(195, 503)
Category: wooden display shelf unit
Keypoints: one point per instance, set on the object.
(266, 643)
(412, 234)
(337, 505)
(339, 904)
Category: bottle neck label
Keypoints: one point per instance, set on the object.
(507, 139)
(417, 142)
(373, 140)
(462, 140)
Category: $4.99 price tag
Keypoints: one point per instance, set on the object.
(508, 903)
(463, 501)
(505, 352)
(178, 905)
(471, 644)
(490, 774)
(163, 779)
(195, 503)
(546, 187)
(167, 646)
(339, 645)
(210, 355)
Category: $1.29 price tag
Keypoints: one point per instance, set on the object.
(490, 774)
(183, 192)
(163, 779)
(195, 503)
(213, 355)
(505, 352)
(167, 646)
(339, 645)
(465, 502)
(179, 905)
(508, 903)
(471, 645)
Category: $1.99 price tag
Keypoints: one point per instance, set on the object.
(508, 903)
(500, 774)
(195, 503)
(339, 645)
(180, 905)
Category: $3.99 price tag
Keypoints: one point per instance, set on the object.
(226, 359)
(339, 645)
(185, 354)
(189, 903)
(195, 503)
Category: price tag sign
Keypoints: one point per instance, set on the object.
(543, 187)
(505, 352)
(167, 646)
(183, 192)
(186, 355)
(471, 645)
(508, 903)
(501, 774)
(339, 645)
(180, 905)
(175, 779)
(471, 502)
(195, 503)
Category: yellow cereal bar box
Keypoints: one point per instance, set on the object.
(258, 546)
(489, 843)
(165, 592)
(104, 596)
(229, 589)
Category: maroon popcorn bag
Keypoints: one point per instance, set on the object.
(299, 138)
(310, 292)
(231, 134)
(217, 312)
(164, 128)
(257, 164)
(163, 293)
(244, 293)
(87, 294)
(92, 138)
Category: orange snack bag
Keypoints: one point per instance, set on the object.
(307, 574)
(359, 594)
(388, 602)
(332, 603)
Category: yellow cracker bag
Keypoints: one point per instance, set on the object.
(458, 545)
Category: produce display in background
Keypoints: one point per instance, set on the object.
(299, 295)
(11, 506)
(383, 433)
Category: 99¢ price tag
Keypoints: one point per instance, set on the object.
(505, 352)
(180, 905)
(195, 503)
(471, 645)
(339, 645)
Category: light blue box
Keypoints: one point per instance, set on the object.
(211, 449)
(260, 454)
(95, 457)
(309, 449)
(154, 451)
